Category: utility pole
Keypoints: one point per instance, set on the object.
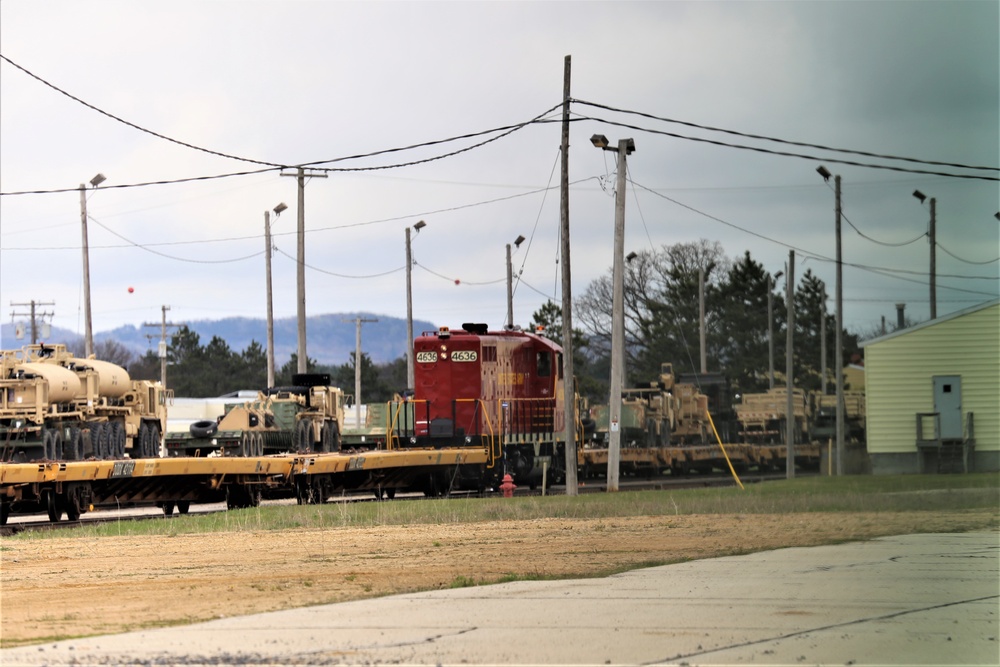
(838, 342)
(569, 382)
(162, 348)
(33, 314)
(510, 291)
(822, 340)
(701, 319)
(300, 175)
(358, 321)
(410, 369)
(790, 370)
(932, 236)
(770, 328)
(625, 146)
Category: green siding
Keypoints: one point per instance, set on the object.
(899, 385)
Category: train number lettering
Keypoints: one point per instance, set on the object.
(123, 469)
(464, 355)
(426, 357)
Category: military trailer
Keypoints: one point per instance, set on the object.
(306, 417)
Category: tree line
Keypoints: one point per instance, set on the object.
(661, 325)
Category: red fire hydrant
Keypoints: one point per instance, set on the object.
(508, 486)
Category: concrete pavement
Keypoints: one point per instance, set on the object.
(906, 600)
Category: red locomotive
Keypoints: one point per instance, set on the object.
(502, 390)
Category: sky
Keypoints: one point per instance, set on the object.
(240, 87)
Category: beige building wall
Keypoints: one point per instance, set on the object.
(899, 369)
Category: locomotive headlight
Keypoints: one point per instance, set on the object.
(468, 440)
(444, 355)
(413, 440)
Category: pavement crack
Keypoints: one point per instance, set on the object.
(806, 631)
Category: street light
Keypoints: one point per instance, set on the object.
(932, 238)
(270, 308)
(88, 338)
(410, 370)
(624, 149)
(510, 283)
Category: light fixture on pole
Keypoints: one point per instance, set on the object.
(932, 239)
(625, 147)
(268, 250)
(838, 334)
(410, 370)
(88, 338)
(510, 283)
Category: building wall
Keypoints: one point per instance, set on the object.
(899, 371)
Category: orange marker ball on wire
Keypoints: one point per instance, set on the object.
(131, 289)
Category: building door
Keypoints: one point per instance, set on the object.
(948, 404)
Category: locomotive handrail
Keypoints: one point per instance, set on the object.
(491, 455)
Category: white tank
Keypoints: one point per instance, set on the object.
(113, 380)
(64, 385)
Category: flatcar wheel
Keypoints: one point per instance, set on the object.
(74, 508)
(4, 512)
(168, 508)
(183, 506)
(52, 505)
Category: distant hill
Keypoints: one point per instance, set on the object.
(331, 338)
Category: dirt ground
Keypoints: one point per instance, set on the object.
(68, 587)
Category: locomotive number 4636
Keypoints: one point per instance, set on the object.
(464, 355)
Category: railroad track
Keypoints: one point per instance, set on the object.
(585, 486)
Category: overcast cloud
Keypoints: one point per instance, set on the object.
(296, 82)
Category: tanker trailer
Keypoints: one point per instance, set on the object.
(39, 417)
(122, 415)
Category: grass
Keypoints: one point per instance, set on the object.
(902, 493)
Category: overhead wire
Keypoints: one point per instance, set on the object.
(340, 275)
(803, 156)
(967, 261)
(140, 246)
(879, 270)
(783, 141)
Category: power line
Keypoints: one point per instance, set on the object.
(784, 141)
(787, 154)
(340, 275)
(968, 261)
(133, 125)
(879, 270)
(174, 257)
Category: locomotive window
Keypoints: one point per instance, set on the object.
(559, 364)
(489, 353)
(544, 360)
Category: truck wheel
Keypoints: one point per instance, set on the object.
(204, 428)
(117, 441)
(305, 439)
(73, 449)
